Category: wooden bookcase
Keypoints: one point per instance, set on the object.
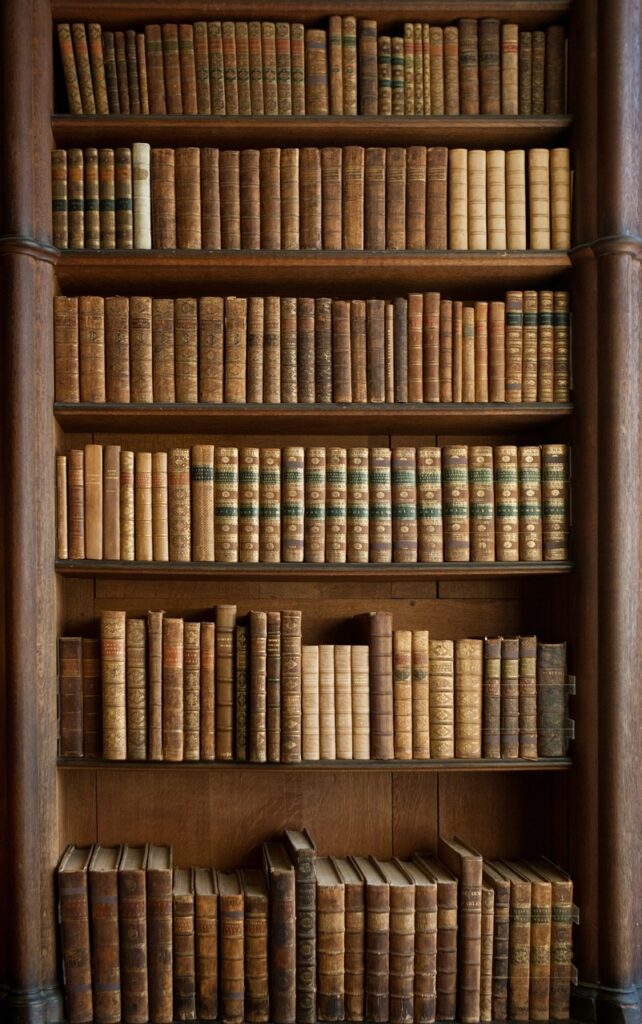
(586, 815)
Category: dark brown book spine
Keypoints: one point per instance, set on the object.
(552, 737)
(206, 950)
(273, 686)
(124, 199)
(232, 981)
(353, 196)
(367, 67)
(289, 354)
(257, 994)
(377, 953)
(159, 944)
(379, 638)
(316, 385)
(71, 696)
(74, 929)
(469, 953)
(188, 198)
(92, 726)
(306, 934)
(331, 952)
(155, 72)
(291, 677)
(105, 946)
(282, 947)
(331, 197)
(184, 964)
(132, 913)
(468, 66)
(555, 70)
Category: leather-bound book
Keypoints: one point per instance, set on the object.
(538, 73)
(561, 356)
(250, 199)
(91, 698)
(272, 350)
(135, 637)
(163, 192)
(230, 77)
(482, 504)
(397, 69)
(375, 348)
(451, 70)
(415, 347)
(83, 67)
(510, 697)
(289, 354)
(124, 198)
(302, 851)
(240, 691)
(280, 876)
(138, 43)
(335, 63)
(70, 69)
(71, 696)
(132, 919)
(358, 503)
(290, 199)
(360, 679)
(492, 695)
(458, 199)
(545, 347)
(273, 686)
(291, 709)
(496, 198)
(555, 81)
(117, 355)
(310, 737)
(436, 198)
(173, 689)
(155, 687)
(255, 354)
(216, 66)
(327, 704)
(402, 693)
(467, 865)
(159, 934)
(486, 980)
(420, 693)
(377, 973)
(243, 67)
(336, 505)
(395, 218)
(202, 70)
(477, 227)
(418, 68)
(529, 348)
(210, 198)
(456, 503)
(257, 994)
(529, 479)
(351, 64)
(92, 202)
(60, 201)
(257, 750)
(506, 503)
(142, 505)
(224, 715)
(292, 497)
(270, 198)
(446, 934)
(249, 505)
(376, 630)
(402, 941)
(171, 62)
(358, 350)
(367, 66)
(489, 66)
(330, 895)
(112, 642)
(230, 192)
(111, 76)
(493, 878)
(179, 504)
(74, 928)
(283, 67)
(188, 198)
(105, 942)
(540, 965)
(202, 502)
(226, 497)
(76, 197)
(91, 343)
(552, 731)
(127, 507)
(186, 349)
(539, 199)
(525, 72)
(510, 69)
(425, 940)
(62, 520)
(515, 198)
(519, 943)
(404, 504)
(297, 64)
(560, 199)
(555, 501)
(206, 942)
(141, 349)
(76, 502)
(155, 69)
(331, 197)
(308, 332)
(400, 349)
(442, 698)
(389, 352)
(497, 352)
(184, 962)
(191, 691)
(564, 916)
(208, 686)
(384, 70)
(469, 670)
(353, 197)
(122, 73)
(343, 701)
(316, 72)
(430, 532)
(235, 389)
(457, 351)
(141, 195)
(354, 955)
(341, 354)
(425, 49)
(480, 332)
(310, 197)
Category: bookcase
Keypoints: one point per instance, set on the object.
(586, 815)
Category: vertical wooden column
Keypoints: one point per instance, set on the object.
(27, 508)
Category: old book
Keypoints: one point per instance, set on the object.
(141, 348)
(188, 198)
(357, 505)
(402, 693)
(480, 332)
(538, 73)
(172, 67)
(469, 670)
(155, 70)
(400, 349)
(270, 505)
(451, 70)
(230, 75)
(367, 67)
(375, 347)
(468, 357)
(142, 504)
(111, 75)
(510, 697)
(420, 694)
(291, 708)
(331, 197)
(310, 729)
(458, 199)
(539, 199)
(241, 691)
(289, 344)
(336, 505)
(112, 641)
(62, 517)
(91, 199)
(76, 502)
(446, 882)
(377, 633)
(404, 504)
(127, 507)
(555, 81)
(545, 346)
(232, 952)
(308, 333)
(529, 480)
(525, 72)
(283, 67)
(516, 198)
(398, 75)
(159, 934)
(71, 696)
(186, 349)
(506, 503)
(552, 692)
(201, 68)
(292, 497)
(255, 340)
(467, 864)
(564, 915)
(290, 199)
(122, 73)
(354, 957)
(359, 671)
(91, 698)
(529, 347)
(510, 69)
(540, 959)
(255, 897)
(302, 851)
(418, 68)
(216, 67)
(330, 894)
(226, 498)
(257, 739)
(137, 69)
(446, 351)
(117, 354)
(486, 980)
(343, 701)
(235, 389)
(76, 196)
(224, 714)
(492, 694)
(280, 876)
(179, 504)
(359, 350)
(250, 200)
(482, 503)
(206, 942)
(437, 197)
(377, 979)
(70, 68)
(496, 198)
(314, 504)
(353, 197)
(273, 686)
(351, 66)
(74, 927)
(335, 63)
(429, 505)
(493, 878)
(425, 940)
(519, 941)
(155, 687)
(270, 169)
(82, 67)
(327, 701)
(395, 214)
(243, 67)
(230, 198)
(202, 502)
(316, 72)
(442, 698)
(497, 352)
(191, 690)
(124, 198)
(105, 942)
(560, 202)
(208, 688)
(91, 348)
(136, 661)
(456, 503)
(477, 199)
(132, 917)
(402, 941)
(561, 340)
(341, 360)
(184, 960)
(555, 501)
(210, 199)
(141, 195)
(173, 689)
(457, 351)
(489, 66)
(310, 197)
(59, 190)
(163, 193)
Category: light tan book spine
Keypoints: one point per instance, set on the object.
(327, 726)
(482, 503)
(529, 473)
(136, 690)
(560, 199)
(270, 505)
(437, 69)
(496, 198)
(481, 351)
(420, 694)
(539, 194)
(192, 690)
(555, 501)
(226, 504)
(506, 503)
(127, 518)
(292, 504)
(155, 686)
(179, 504)
(469, 674)
(141, 191)
(442, 713)
(93, 464)
(310, 747)
(160, 520)
(402, 693)
(208, 691)
(458, 199)
(186, 349)
(290, 210)
(451, 69)
(111, 502)
(62, 524)
(430, 522)
(140, 348)
(143, 506)
(202, 495)
(343, 701)
(561, 344)
(173, 689)
(248, 505)
(497, 352)
(360, 674)
(358, 503)
(516, 199)
(545, 347)
(456, 503)
(487, 938)
(477, 231)
(336, 505)
(291, 695)
(331, 197)
(113, 671)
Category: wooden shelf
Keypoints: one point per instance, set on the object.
(489, 418)
(321, 272)
(433, 765)
(306, 571)
(198, 130)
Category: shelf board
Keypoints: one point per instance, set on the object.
(305, 272)
(433, 765)
(305, 571)
(360, 130)
(291, 419)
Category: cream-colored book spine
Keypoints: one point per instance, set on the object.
(516, 199)
(143, 506)
(402, 693)
(141, 192)
(420, 694)
(360, 674)
(458, 199)
(442, 711)
(113, 671)
(343, 701)
(327, 726)
(127, 524)
(160, 521)
(539, 199)
(477, 229)
(496, 198)
(560, 199)
(311, 749)
(469, 674)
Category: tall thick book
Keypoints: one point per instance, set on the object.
(132, 915)
(330, 898)
(159, 934)
(564, 916)
(105, 941)
(540, 969)
(402, 942)
(232, 951)
(74, 927)
(184, 948)
(302, 851)
(552, 690)
(519, 946)
(467, 864)
(377, 986)
(377, 633)
(501, 887)
(206, 925)
(280, 875)
(425, 924)
(354, 962)
(257, 991)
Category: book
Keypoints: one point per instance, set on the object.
(540, 966)
(173, 689)
(70, 670)
(105, 941)
(232, 946)
(92, 726)
(564, 915)
(467, 864)
(376, 629)
(402, 941)
(310, 727)
(468, 697)
(280, 876)
(255, 899)
(132, 919)
(552, 691)
(354, 918)
(158, 878)
(402, 694)
(224, 662)
(377, 935)
(112, 647)
(486, 981)
(74, 928)
(273, 686)
(519, 941)
(302, 851)
(493, 877)
(330, 897)
(425, 941)
(184, 962)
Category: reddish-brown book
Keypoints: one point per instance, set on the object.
(225, 623)
(105, 942)
(257, 993)
(330, 893)
(377, 633)
(446, 934)
(467, 865)
(92, 725)
(302, 850)
(132, 917)
(206, 923)
(159, 934)
(184, 962)
(74, 930)
(71, 696)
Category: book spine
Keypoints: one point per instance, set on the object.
(155, 71)
(441, 699)
(358, 503)
(92, 727)
(192, 691)
(551, 700)
(316, 72)
(272, 350)
(539, 196)
(232, 980)
(206, 955)
(60, 201)
(420, 694)
(351, 65)
(179, 504)
(93, 494)
(226, 498)
(76, 502)
(343, 701)
(291, 686)
(353, 197)
(397, 75)
(359, 350)
(141, 195)
(525, 72)
(469, 952)
(70, 69)
(486, 980)
(243, 66)
(143, 538)
(510, 698)
(91, 342)
(457, 351)
(354, 960)
(292, 504)
(506, 503)
(519, 950)
(425, 989)
(492, 699)
(310, 742)
(282, 948)
(555, 501)
(482, 505)
(395, 198)
(381, 686)
(335, 63)
(127, 507)
(136, 660)
(92, 200)
(308, 971)
(159, 945)
(331, 952)
(477, 191)
(327, 704)
(561, 354)
(402, 694)
(211, 331)
(117, 355)
(202, 502)
(75, 941)
(255, 353)
(540, 965)
(186, 349)
(173, 689)
(269, 505)
(250, 199)
(341, 360)
(67, 379)
(359, 674)
(224, 662)
(456, 503)
(255, 57)
(310, 198)
(402, 953)
(132, 914)
(142, 72)
(163, 202)
(538, 73)
(446, 353)
(201, 67)
(367, 67)
(515, 198)
(217, 71)
(404, 504)
(257, 995)
(207, 693)
(155, 688)
(184, 963)
(560, 199)
(380, 511)
(133, 79)
(258, 687)
(249, 505)
(297, 61)
(336, 505)
(555, 70)
(210, 199)
(375, 347)
(188, 198)
(71, 696)
(500, 952)
(124, 198)
(529, 479)
(378, 953)
(62, 515)
(289, 343)
(469, 670)
(331, 197)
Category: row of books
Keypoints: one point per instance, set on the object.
(419, 348)
(246, 687)
(312, 937)
(315, 504)
(346, 67)
(348, 197)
